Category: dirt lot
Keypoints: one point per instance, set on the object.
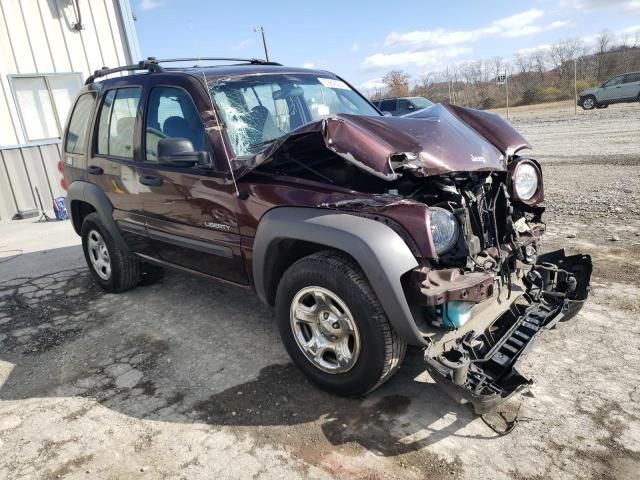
(187, 379)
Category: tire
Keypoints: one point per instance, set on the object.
(380, 350)
(588, 103)
(123, 272)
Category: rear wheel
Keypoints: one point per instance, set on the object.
(113, 269)
(588, 102)
(333, 326)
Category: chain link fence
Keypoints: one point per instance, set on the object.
(543, 77)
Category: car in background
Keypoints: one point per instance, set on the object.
(402, 105)
(623, 88)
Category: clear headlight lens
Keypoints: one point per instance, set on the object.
(444, 229)
(526, 181)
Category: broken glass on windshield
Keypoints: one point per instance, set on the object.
(258, 110)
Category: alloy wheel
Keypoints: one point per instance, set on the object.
(325, 330)
(99, 254)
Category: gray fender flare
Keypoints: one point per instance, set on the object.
(381, 253)
(93, 195)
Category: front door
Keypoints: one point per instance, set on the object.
(190, 211)
(111, 164)
(611, 90)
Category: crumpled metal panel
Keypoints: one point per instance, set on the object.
(441, 139)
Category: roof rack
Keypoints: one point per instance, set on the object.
(142, 65)
(153, 65)
(252, 61)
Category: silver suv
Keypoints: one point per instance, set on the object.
(620, 89)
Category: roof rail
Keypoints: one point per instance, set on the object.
(142, 65)
(252, 61)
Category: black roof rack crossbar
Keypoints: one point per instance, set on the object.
(252, 61)
(142, 65)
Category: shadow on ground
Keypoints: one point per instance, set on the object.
(184, 350)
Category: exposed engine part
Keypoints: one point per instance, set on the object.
(556, 289)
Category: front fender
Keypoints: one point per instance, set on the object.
(381, 253)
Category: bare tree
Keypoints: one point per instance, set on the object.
(524, 63)
(603, 45)
(397, 83)
(561, 53)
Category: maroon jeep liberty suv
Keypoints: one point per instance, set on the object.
(365, 232)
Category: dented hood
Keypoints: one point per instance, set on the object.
(437, 140)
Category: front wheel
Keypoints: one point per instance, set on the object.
(588, 103)
(333, 326)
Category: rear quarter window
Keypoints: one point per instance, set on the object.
(79, 123)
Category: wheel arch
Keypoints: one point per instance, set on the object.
(84, 198)
(286, 234)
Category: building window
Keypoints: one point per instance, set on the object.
(43, 102)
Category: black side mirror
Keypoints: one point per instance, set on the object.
(179, 152)
(410, 107)
(387, 114)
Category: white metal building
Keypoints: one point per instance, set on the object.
(47, 49)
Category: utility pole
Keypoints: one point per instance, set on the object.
(506, 87)
(575, 87)
(264, 41)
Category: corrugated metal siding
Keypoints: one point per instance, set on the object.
(37, 37)
(22, 171)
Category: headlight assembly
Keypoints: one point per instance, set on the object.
(526, 180)
(444, 229)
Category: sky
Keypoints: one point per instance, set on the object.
(362, 40)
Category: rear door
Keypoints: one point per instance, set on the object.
(631, 86)
(190, 212)
(111, 164)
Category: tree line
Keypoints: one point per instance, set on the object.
(545, 74)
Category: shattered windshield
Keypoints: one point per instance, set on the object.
(258, 110)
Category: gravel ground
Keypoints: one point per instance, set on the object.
(187, 379)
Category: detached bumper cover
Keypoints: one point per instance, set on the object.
(481, 367)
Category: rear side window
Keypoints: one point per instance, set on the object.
(632, 77)
(80, 118)
(117, 121)
(388, 105)
(171, 113)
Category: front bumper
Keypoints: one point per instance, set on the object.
(481, 367)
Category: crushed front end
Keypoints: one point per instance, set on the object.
(480, 366)
(487, 294)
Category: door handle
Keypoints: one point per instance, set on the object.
(95, 170)
(150, 180)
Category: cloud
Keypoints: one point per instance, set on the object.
(372, 83)
(518, 25)
(625, 6)
(355, 47)
(149, 4)
(308, 65)
(242, 44)
(527, 51)
(420, 58)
